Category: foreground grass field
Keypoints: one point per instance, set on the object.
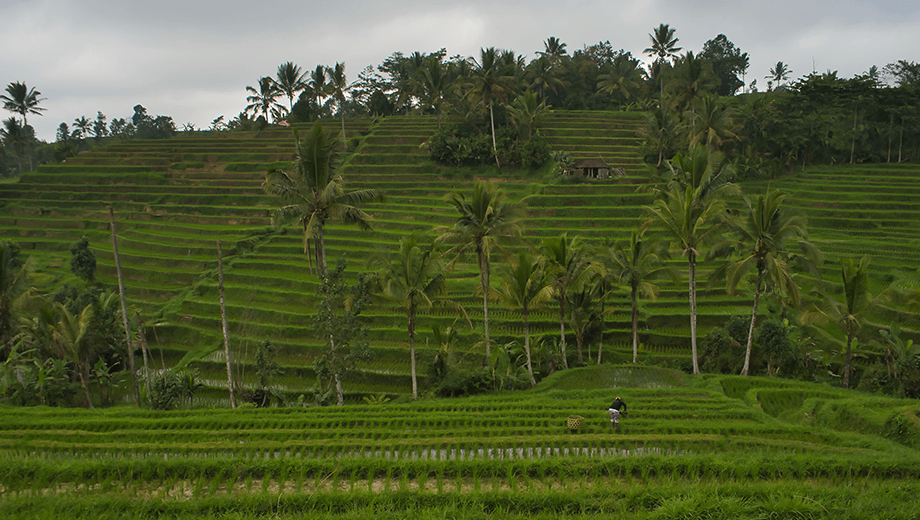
(704, 447)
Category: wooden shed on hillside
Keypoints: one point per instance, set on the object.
(591, 169)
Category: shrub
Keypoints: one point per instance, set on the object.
(458, 384)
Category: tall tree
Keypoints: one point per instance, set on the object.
(22, 100)
(223, 319)
(436, 81)
(636, 264)
(263, 100)
(691, 78)
(728, 62)
(414, 279)
(779, 73)
(527, 113)
(483, 221)
(691, 220)
(124, 308)
(490, 82)
(663, 48)
(317, 88)
(339, 322)
(338, 87)
(69, 335)
(313, 192)
(622, 79)
(553, 49)
(525, 286)
(712, 123)
(290, 80)
(568, 269)
(848, 313)
(15, 136)
(766, 231)
(15, 280)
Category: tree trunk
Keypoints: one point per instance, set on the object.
(579, 339)
(484, 281)
(494, 143)
(846, 364)
(890, 126)
(80, 369)
(340, 394)
(533, 382)
(635, 326)
(750, 340)
(143, 339)
(565, 359)
(853, 145)
(223, 320)
(410, 313)
(124, 309)
(696, 365)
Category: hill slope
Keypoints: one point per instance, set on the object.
(174, 199)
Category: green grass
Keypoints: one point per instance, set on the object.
(690, 447)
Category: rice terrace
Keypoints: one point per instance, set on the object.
(416, 293)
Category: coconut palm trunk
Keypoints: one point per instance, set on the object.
(484, 282)
(124, 308)
(750, 340)
(635, 323)
(565, 360)
(410, 314)
(143, 340)
(692, 270)
(223, 320)
(847, 362)
(533, 382)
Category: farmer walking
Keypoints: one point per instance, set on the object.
(616, 409)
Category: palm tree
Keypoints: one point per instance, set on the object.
(692, 76)
(490, 81)
(553, 49)
(14, 136)
(664, 47)
(15, 279)
(622, 79)
(338, 86)
(847, 313)
(83, 125)
(483, 221)
(635, 264)
(70, 337)
(414, 279)
(290, 80)
(767, 230)
(712, 124)
(778, 74)
(527, 113)
(263, 100)
(660, 131)
(585, 306)
(313, 192)
(692, 220)
(568, 269)
(525, 286)
(22, 100)
(542, 77)
(317, 88)
(435, 81)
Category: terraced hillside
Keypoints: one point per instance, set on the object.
(174, 199)
(703, 447)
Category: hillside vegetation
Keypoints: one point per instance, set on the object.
(174, 199)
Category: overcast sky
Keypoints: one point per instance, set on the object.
(192, 60)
